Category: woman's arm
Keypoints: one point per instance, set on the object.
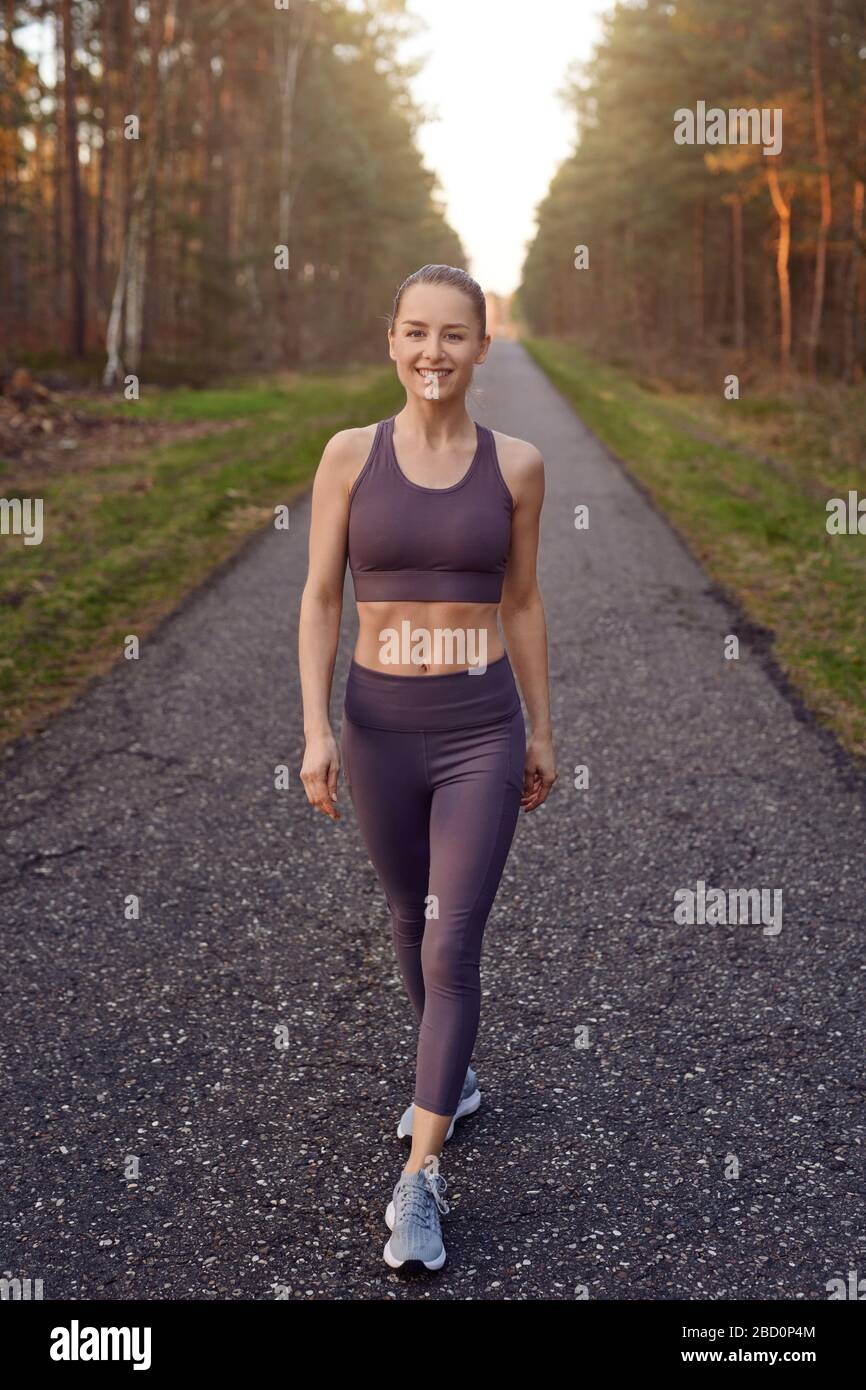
(319, 624)
(523, 621)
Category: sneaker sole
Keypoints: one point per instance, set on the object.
(398, 1264)
(466, 1107)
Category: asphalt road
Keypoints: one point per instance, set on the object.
(148, 1045)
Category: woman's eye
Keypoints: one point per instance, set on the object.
(458, 337)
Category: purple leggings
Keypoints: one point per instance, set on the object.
(434, 767)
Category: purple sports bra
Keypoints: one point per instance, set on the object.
(411, 542)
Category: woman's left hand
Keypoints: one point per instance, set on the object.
(539, 772)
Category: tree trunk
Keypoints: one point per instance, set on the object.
(127, 312)
(77, 327)
(289, 44)
(9, 229)
(105, 152)
(634, 289)
(113, 369)
(700, 218)
(783, 212)
(58, 260)
(826, 204)
(739, 273)
(855, 271)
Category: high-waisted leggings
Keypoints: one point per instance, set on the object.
(434, 768)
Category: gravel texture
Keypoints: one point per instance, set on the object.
(148, 1045)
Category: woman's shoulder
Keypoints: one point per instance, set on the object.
(348, 444)
(520, 462)
(347, 451)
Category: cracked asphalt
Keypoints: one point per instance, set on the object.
(200, 1101)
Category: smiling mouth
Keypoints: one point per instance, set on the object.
(440, 372)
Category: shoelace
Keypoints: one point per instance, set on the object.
(436, 1184)
(413, 1199)
(412, 1203)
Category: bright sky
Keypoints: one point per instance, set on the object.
(493, 71)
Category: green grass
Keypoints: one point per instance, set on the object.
(127, 534)
(746, 483)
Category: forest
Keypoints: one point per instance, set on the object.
(697, 251)
(191, 186)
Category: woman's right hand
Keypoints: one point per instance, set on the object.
(319, 772)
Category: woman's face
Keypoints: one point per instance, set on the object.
(436, 331)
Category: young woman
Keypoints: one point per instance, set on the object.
(439, 521)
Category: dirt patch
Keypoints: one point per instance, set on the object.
(42, 434)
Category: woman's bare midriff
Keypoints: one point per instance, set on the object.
(410, 638)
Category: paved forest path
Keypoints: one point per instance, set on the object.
(601, 1167)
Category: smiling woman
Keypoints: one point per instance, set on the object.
(438, 517)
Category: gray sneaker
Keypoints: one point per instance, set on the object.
(412, 1217)
(470, 1099)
